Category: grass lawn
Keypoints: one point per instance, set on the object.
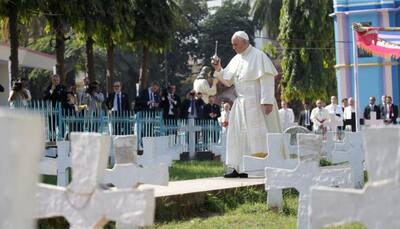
(240, 208)
(186, 170)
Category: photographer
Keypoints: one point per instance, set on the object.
(192, 106)
(19, 95)
(93, 98)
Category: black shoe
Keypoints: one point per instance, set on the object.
(233, 174)
(243, 175)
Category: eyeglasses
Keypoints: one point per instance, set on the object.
(116, 85)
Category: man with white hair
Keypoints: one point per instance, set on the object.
(254, 112)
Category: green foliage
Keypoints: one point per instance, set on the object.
(266, 14)
(155, 23)
(231, 17)
(181, 170)
(306, 35)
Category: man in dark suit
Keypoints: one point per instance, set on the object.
(372, 107)
(192, 107)
(118, 103)
(170, 103)
(212, 110)
(304, 118)
(390, 111)
(56, 93)
(150, 98)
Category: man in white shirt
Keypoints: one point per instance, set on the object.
(319, 116)
(254, 112)
(286, 115)
(336, 110)
(350, 115)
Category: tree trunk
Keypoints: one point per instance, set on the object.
(143, 69)
(60, 47)
(14, 44)
(110, 65)
(89, 58)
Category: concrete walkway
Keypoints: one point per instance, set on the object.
(175, 188)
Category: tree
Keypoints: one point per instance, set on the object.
(58, 14)
(266, 14)
(117, 26)
(185, 40)
(155, 26)
(84, 21)
(13, 10)
(228, 19)
(306, 35)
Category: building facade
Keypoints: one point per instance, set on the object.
(377, 76)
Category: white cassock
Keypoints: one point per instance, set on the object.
(287, 118)
(202, 86)
(337, 111)
(252, 73)
(319, 116)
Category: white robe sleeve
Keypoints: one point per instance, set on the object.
(205, 88)
(267, 83)
(225, 80)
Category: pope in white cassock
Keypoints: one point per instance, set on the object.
(254, 112)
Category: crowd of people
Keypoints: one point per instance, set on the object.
(317, 119)
(198, 104)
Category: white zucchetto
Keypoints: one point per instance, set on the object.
(241, 34)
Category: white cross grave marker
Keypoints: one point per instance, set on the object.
(126, 173)
(220, 148)
(351, 150)
(276, 158)
(155, 151)
(334, 122)
(377, 205)
(191, 128)
(58, 166)
(175, 145)
(306, 174)
(373, 121)
(21, 140)
(83, 202)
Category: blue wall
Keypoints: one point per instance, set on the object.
(370, 77)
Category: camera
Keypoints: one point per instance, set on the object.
(17, 86)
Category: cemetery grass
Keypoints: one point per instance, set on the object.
(186, 170)
(237, 208)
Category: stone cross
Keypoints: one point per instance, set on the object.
(175, 145)
(220, 148)
(307, 174)
(191, 128)
(351, 150)
(126, 173)
(22, 141)
(276, 158)
(58, 166)
(333, 123)
(84, 203)
(373, 121)
(155, 151)
(377, 205)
